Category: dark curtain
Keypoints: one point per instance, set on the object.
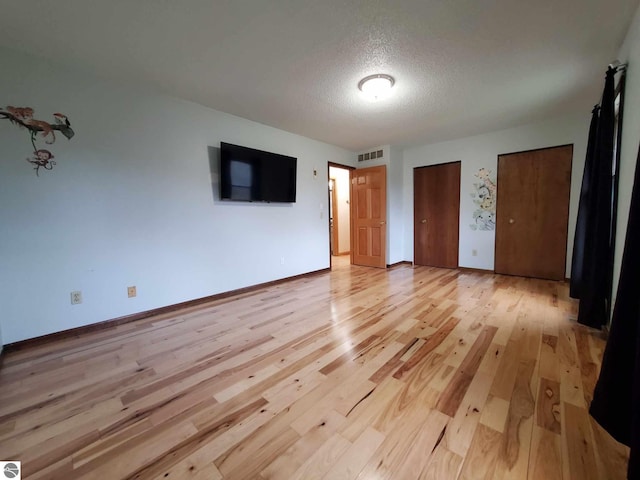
(577, 261)
(595, 291)
(616, 399)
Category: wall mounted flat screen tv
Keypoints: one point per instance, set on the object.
(250, 175)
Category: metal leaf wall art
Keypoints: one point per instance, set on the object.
(39, 130)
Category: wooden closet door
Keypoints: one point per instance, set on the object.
(436, 199)
(532, 212)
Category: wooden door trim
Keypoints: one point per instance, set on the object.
(537, 150)
(439, 164)
(339, 165)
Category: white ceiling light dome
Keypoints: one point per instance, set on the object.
(376, 87)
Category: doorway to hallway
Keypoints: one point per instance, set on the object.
(339, 214)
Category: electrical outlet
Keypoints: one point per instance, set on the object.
(474, 253)
(281, 260)
(131, 291)
(76, 297)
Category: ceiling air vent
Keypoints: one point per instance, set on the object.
(370, 156)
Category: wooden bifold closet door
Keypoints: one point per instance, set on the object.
(532, 212)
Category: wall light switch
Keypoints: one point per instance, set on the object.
(131, 291)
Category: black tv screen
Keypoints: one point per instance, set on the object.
(251, 175)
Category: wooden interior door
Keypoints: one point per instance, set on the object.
(533, 212)
(369, 216)
(436, 211)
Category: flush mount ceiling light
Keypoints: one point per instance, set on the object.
(376, 86)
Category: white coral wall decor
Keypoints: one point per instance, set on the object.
(484, 198)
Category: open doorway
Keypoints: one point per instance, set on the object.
(339, 214)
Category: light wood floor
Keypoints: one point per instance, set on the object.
(358, 373)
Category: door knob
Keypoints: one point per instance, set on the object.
(381, 223)
(512, 221)
(424, 220)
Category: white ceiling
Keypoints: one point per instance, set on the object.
(462, 67)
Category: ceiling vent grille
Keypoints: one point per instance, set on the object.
(363, 157)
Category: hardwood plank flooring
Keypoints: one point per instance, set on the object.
(408, 373)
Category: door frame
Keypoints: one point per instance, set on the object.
(343, 167)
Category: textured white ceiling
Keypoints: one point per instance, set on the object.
(462, 67)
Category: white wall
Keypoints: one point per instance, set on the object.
(629, 53)
(395, 229)
(482, 152)
(133, 200)
(341, 177)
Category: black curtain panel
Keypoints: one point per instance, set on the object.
(595, 294)
(580, 238)
(619, 97)
(616, 399)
